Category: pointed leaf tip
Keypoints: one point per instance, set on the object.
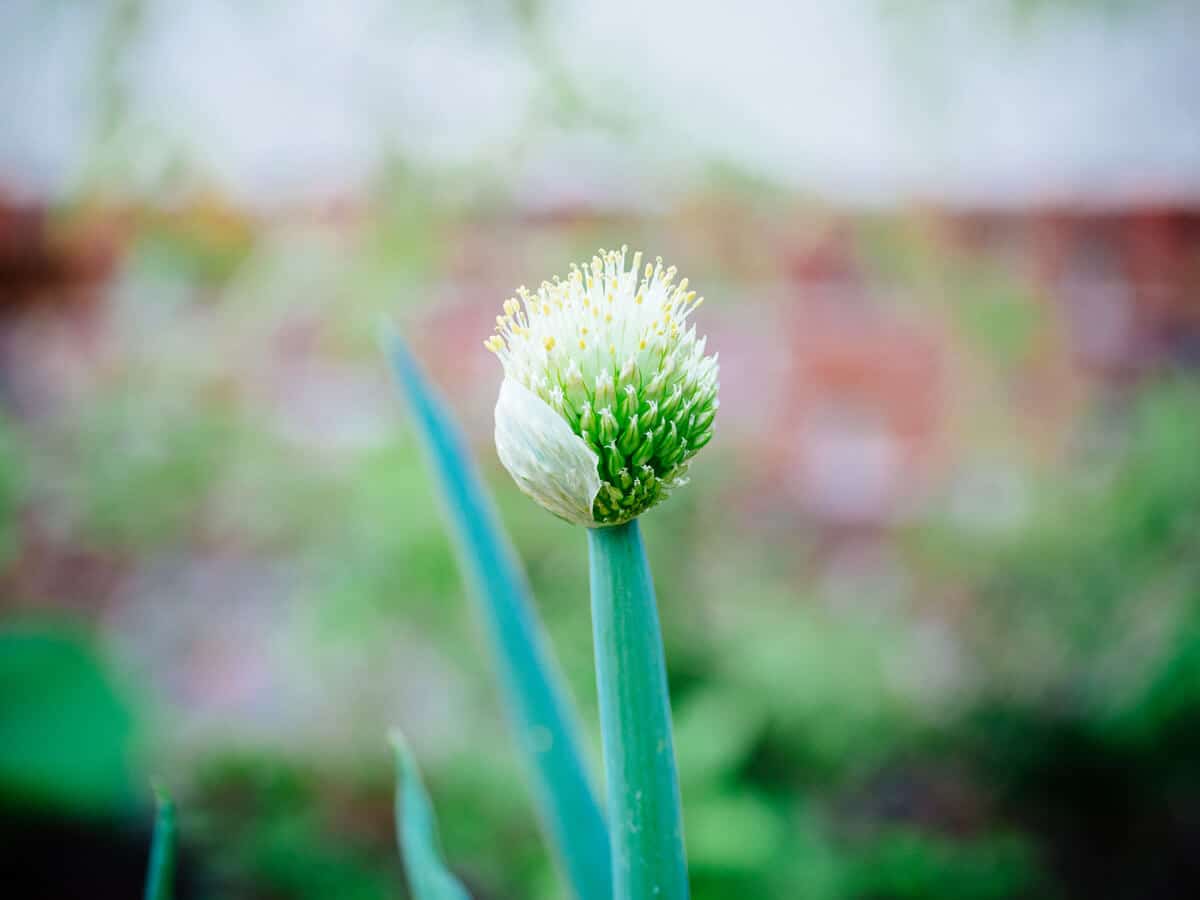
(416, 827)
(160, 875)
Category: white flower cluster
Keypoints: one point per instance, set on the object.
(607, 390)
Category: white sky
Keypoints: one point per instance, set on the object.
(280, 99)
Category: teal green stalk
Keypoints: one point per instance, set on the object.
(644, 815)
(160, 877)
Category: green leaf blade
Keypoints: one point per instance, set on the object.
(416, 829)
(543, 718)
(160, 876)
(649, 862)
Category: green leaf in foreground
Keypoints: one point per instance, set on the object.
(543, 719)
(635, 720)
(416, 828)
(160, 877)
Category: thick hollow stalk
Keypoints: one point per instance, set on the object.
(644, 815)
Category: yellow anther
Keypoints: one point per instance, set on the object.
(638, 299)
(548, 343)
(582, 345)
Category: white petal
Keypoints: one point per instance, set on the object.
(549, 462)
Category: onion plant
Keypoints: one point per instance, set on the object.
(607, 395)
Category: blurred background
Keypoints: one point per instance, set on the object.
(932, 602)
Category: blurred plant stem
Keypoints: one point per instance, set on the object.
(645, 820)
(160, 878)
(122, 26)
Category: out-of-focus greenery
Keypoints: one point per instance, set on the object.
(255, 594)
(819, 754)
(11, 487)
(65, 733)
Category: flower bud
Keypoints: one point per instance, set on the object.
(607, 391)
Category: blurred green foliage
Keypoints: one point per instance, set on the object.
(1063, 760)
(65, 731)
(816, 761)
(12, 486)
(281, 838)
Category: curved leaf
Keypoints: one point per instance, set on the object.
(542, 716)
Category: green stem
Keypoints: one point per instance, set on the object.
(635, 720)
